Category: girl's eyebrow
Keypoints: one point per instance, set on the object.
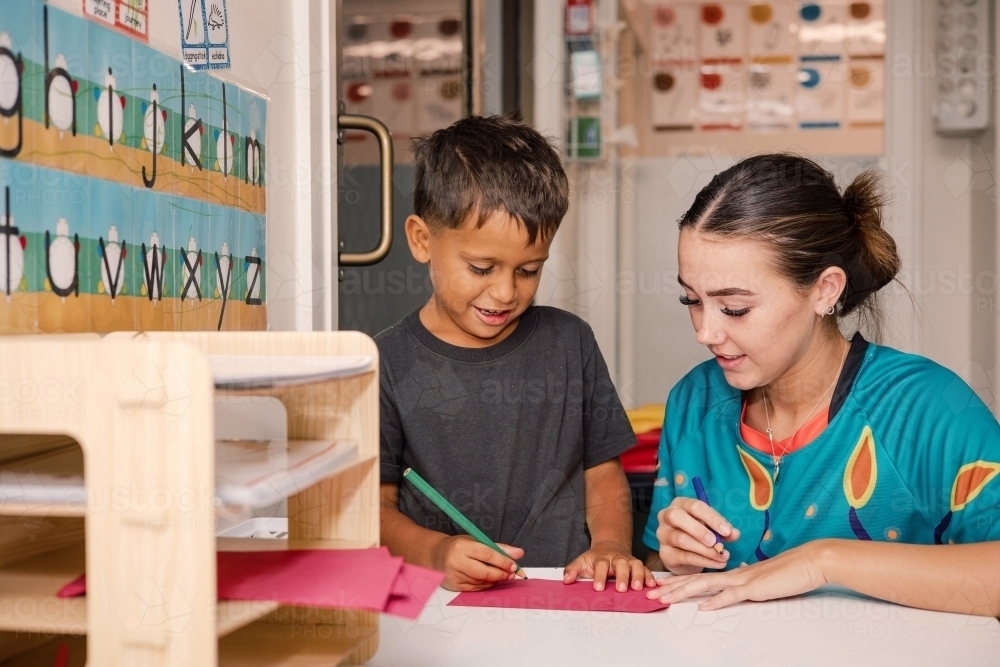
(726, 291)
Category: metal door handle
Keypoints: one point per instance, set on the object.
(381, 132)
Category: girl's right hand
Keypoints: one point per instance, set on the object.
(686, 543)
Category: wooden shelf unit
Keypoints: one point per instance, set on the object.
(140, 406)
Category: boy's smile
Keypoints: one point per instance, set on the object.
(484, 277)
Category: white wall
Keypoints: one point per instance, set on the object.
(581, 272)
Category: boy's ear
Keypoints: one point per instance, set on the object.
(418, 237)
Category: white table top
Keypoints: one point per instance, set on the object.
(828, 627)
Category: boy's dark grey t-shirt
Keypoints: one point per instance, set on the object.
(503, 432)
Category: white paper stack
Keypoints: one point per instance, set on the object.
(249, 474)
(258, 473)
(254, 372)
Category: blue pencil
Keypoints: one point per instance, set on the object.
(699, 490)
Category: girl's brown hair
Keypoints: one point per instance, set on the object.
(793, 204)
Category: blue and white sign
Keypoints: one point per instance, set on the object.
(204, 33)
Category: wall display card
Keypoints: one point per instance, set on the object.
(357, 97)
(584, 140)
(767, 66)
(722, 37)
(579, 17)
(771, 97)
(204, 33)
(409, 67)
(439, 102)
(123, 174)
(821, 30)
(675, 94)
(437, 45)
(820, 97)
(769, 32)
(397, 97)
(865, 34)
(585, 74)
(130, 16)
(866, 93)
(674, 34)
(721, 97)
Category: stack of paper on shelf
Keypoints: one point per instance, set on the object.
(366, 579)
(248, 473)
(254, 372)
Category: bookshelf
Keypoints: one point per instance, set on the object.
(140, 407)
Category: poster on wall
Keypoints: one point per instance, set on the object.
(409, 67)
(130, 198)
(204, 33)
(764, 67)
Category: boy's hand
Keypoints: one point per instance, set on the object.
(686, 543)
(471, 566)
(605, 559)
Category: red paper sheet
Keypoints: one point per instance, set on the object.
(549, 594)
(368, 579)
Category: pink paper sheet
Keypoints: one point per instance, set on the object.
(549, 594)
(367, 579)
(327, 578)
(412, 589)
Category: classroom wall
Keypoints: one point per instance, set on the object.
(955, 286)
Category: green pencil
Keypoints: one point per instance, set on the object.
(456, 516)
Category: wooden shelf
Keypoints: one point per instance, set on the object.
(265, 644)
(32, 584)
(264, 544)
(18, 508)
(44, 650)
(159, 392)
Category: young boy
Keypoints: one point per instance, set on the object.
(505, 408)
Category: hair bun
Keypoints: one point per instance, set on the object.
(877, 261)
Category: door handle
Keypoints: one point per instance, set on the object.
(381, 132)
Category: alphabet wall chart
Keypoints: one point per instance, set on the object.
(132, 193)
(767, 66)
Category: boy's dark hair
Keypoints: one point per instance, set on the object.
(483, 164)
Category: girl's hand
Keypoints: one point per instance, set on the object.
(686, 543)
(793, 572)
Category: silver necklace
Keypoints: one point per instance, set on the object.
(776, 458)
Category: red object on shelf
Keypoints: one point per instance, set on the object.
(642, 457)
